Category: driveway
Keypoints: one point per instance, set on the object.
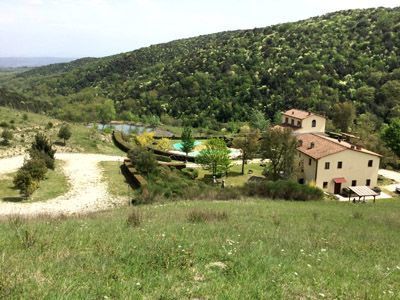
(88, 191)
(391, 175)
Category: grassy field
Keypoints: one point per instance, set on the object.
(116, 183)
(83, 139)
(55, 184)
(207, 250)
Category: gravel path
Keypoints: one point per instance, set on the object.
(88, 193)
(391, 175)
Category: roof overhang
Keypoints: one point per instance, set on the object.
(340, 180)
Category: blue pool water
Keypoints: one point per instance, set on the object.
(178, 146)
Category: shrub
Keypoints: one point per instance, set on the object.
(144, 161)
(37, 155)
(7, 136)
(191, 173)
(25, 117)
(43, 149)
(36, 168)
(25, 183)
(283, 189)
(65, 132)
(134, 218)
(204, 216)
(4, 124)
(162, 158)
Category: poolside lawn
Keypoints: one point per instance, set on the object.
(235, 178)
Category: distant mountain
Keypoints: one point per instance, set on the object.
(18, 62)
(314, 64)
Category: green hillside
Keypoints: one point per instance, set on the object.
(311, 64)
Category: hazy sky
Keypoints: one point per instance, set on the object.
(78, 28)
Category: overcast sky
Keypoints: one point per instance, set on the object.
(79, 28)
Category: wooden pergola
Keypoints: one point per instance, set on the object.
(362, 191)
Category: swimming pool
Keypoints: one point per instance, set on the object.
(179, 146)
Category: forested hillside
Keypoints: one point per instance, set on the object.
(311, 64)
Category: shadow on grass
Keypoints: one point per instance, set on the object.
(12, 199)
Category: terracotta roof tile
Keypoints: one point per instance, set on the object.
(317, 147)
(298, 114)
(324, 146)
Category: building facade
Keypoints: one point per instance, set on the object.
(303, 122)
(330, 163)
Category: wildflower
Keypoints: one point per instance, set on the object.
(308, 265)
(323, 250)
(295, 273)
(322, 295)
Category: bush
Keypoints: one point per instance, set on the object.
(25, 183)
(283, 189)
(7, 136)
(144, 161)
(36, 168)
(43, 149)
(65, 132)
(203, 216)
(134, 219)
(162, 158)
(4, 124)
(37, 155)
(191, 173)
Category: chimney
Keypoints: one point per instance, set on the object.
(309, 113)
(300, 143)
(292, 112)
(312, 145)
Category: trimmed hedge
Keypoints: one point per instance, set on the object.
(283, 189)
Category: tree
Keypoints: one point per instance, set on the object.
(258, 120)
(106, 112)
(343, 115)
(7, 136)
(391, 136)
(43, 149)
(249, 142)
(143, 160)
(215, 157)
(187, 140)
(279, 146)
(65, 132)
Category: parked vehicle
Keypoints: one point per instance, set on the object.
(377, 190)
(397, 190)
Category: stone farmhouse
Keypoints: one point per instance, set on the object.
(331, 163)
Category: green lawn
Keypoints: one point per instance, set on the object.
(256, 250)
(55, 184)
(235, 177)
(116, 183)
